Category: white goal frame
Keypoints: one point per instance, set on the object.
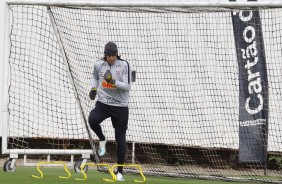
(98, 3)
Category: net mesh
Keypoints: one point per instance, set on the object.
(184, 107)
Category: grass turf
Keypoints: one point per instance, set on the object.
(22, 175)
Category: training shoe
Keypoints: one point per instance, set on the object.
(102, 148)
(119, 177)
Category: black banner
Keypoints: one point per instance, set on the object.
(253, 86)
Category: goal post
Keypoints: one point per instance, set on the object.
(6, 83)
(5, 78)
(206, 102)
(70, 74)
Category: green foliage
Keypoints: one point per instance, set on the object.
(277, 159)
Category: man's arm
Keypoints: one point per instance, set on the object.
(94, 83)
(95, 77)
(125, 84)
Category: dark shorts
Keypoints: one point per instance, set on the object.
(118, 115)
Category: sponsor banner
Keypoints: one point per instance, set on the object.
(253, 87)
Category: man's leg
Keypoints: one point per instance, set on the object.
(97, 115)
(120, 136)
(120, 122)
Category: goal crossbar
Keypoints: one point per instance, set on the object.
(146, 3)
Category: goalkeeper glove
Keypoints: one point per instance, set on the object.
(93, 93)
(109, 78)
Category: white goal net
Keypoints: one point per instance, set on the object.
(185, 110)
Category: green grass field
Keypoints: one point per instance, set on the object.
(22, 175)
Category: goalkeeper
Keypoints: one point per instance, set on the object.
(111, 81)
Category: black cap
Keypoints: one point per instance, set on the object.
(111, 49)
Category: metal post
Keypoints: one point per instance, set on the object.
(133, 153)
(5, 82)
(65, 58)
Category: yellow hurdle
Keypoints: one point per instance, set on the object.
(114, 179)
(55, 162)
(93, 164)
(131, 165)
